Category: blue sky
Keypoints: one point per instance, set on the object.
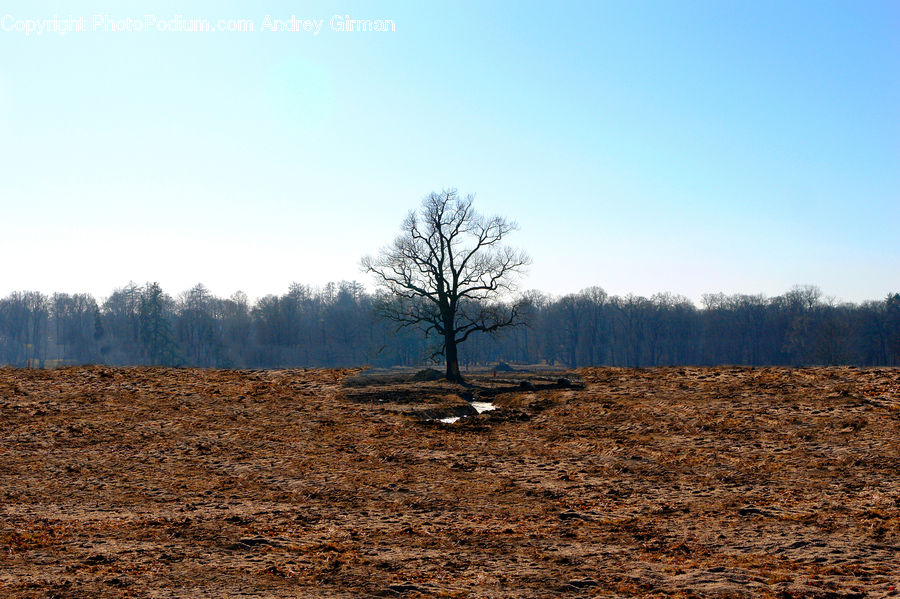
(688, 147)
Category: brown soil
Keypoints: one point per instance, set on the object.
(720, 482)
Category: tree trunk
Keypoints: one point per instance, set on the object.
(452, 360)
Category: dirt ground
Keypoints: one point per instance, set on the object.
(686, 482)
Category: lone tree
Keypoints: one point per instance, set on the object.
(449, 273)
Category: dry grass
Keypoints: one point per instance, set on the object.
(683, 482)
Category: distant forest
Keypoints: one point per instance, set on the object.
(337, 326)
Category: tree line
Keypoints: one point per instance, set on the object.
(338, 325)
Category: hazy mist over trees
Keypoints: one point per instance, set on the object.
(337, 325)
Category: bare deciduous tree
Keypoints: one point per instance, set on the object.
(448, 272)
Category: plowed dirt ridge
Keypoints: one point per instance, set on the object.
(686, 482)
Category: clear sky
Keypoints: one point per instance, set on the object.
(688, 147)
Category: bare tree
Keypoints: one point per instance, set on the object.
(448, 273)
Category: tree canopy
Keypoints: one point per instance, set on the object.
(449, 272)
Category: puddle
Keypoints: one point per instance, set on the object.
(483, 406)
(480, 406)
